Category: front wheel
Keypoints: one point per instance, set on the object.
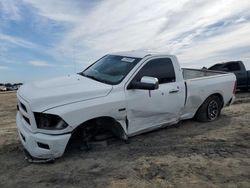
(210, 110)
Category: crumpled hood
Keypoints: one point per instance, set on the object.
(59, 91)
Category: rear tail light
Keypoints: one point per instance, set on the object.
(235, 86)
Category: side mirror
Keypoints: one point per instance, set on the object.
(146, 83)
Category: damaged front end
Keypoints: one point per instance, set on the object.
(39, 145)
(32, 159)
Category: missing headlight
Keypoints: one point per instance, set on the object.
(49, 121)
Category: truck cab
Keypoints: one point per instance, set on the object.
(238, 68)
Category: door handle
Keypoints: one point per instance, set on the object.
(174, 91)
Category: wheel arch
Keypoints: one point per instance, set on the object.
(214, 94)
(108, 121)
(220, 97)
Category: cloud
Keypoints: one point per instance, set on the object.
(9, 10)
(188, 28)
(220, 47)
(59, 10)
(8, 39)
(38, 63)
(199, 32)
(3, 67)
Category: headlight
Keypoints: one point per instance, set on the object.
(49, 121)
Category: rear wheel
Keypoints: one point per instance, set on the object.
(210, 110)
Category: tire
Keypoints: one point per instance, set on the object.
(210, 110)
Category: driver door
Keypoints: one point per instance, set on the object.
(148, 109)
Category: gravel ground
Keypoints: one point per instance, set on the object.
(190, 154)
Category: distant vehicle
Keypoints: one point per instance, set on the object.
(3, 88)
(12, 88)
(238, 68)
(124, 93)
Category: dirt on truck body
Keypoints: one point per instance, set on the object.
(190, 154)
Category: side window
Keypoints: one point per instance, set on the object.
(161, 68)
(233, 66)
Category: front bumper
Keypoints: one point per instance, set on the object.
(41, 145)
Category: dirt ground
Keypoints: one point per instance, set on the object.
(191, 154)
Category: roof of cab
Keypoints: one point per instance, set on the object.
(137, 54)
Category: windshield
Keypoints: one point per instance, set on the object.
(110, 69)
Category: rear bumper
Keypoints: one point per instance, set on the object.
(231, 101)
(40, 145)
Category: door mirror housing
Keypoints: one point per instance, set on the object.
(146, 83)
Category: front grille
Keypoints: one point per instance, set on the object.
(26, 119)
(24, 112)
(23, 137)
(23, 107)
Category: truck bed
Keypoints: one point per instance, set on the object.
(199, 73)
(200, 84)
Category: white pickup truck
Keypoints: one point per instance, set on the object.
(125, 93)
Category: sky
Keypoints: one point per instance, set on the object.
(40, 39)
